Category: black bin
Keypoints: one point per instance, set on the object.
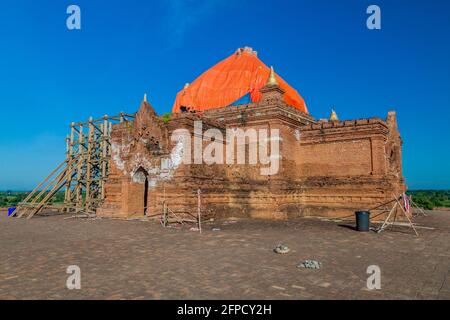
(362, 220)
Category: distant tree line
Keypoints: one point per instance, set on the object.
(430, 199)
(12, 198)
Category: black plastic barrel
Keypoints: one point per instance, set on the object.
(362, 220)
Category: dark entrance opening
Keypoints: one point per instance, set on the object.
(141, 179)
(146, 196)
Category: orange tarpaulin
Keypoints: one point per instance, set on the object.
(240, 74)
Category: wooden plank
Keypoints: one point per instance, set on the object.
(385, 223)
(104, 148)
(43, 191)
(55, 189)
(88, 165)
(68, 193)
(40, 185)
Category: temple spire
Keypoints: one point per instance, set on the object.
(334, 116)
(145, 97)
(272, 81)
(272, 93)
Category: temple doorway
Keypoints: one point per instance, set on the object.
(141, 178)
(146, 196)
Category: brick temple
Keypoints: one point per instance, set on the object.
(326, 168)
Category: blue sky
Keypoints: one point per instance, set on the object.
(50, 76)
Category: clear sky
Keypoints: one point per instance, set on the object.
(50, 76)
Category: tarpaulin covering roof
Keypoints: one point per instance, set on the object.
(231, 80)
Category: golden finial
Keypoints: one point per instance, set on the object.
(333, 116)
(145, 97)
(186, 86)
(272, 79)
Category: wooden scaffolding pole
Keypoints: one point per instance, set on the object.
(407, 217)
(104, 157)
(53, 191)
(68, 192)
(78, 201)
(397, 205)
(89, 165)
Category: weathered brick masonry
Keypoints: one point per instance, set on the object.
(327, 168)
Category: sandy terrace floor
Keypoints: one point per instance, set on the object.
(142, 260)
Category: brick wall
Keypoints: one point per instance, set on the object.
(327, 168)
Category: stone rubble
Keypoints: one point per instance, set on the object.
(310, 264)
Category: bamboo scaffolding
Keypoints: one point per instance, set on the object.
(84, 172)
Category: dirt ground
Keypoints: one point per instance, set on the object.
(142, 260)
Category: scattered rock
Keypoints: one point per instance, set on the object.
(281, 249)
(310, 264)
(325, 285)
(216, 229)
